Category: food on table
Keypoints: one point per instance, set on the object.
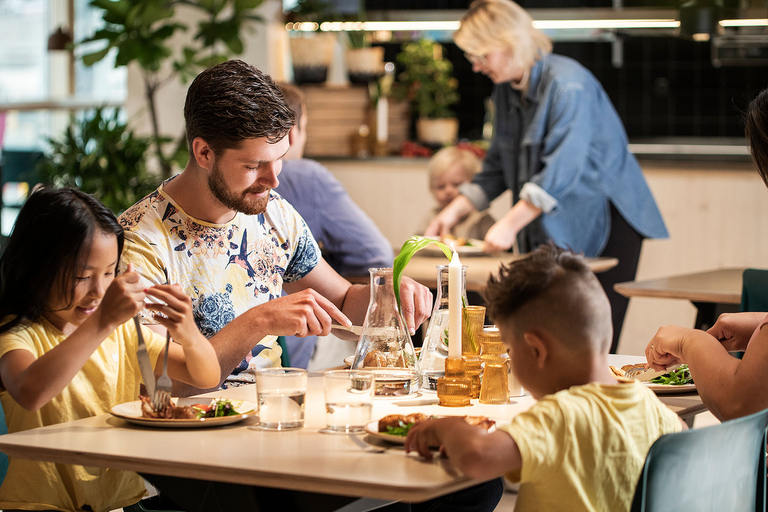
(678, 377)
(456, 241)
(215, 409)
(399, 424)
(382, 359)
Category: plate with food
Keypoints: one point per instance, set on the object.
(464, 246)
(677, 379)
(394, 427)
(185, 412)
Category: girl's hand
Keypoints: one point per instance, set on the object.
(123, 299)
(734, 330)
(176, 312)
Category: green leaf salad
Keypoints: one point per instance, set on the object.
(678, 377)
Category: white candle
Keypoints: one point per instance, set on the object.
(382, 120)
(454, 306)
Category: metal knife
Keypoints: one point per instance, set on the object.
(145, 365)
(652, 374)
(354, 329)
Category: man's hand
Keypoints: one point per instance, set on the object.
(304, 313)
(416, 302)
(734, 330)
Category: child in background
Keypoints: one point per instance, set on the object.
(68, 347)
(583, 444)
(448, 169)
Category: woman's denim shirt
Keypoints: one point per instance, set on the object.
(563, 148)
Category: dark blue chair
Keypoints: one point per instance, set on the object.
(754, 290)
(708, 469)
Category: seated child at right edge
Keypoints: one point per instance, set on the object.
(582, 446)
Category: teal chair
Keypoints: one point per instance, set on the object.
(708, 469)
(3, 457)
(754, 290)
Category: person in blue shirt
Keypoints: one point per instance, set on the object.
(348, 239)
(559, 146)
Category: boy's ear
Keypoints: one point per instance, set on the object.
(539, 347)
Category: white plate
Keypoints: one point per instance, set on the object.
(474, 249)
(665, 389)
(131, 412)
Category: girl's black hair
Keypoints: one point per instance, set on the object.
(51, 238)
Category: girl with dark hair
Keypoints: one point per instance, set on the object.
(67, 348)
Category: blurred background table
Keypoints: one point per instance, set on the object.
(712, 292)
(422, 268)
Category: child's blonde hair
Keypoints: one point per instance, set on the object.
(491, 25)
(446, 158)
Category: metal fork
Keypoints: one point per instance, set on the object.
(365, 446)
(162, 397)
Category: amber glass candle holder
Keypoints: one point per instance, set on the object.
(455, 389)
(495, 386)
(472, 319)
(473, 367)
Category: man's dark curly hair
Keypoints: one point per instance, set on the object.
(232, 102)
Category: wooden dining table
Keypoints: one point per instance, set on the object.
(712, 292)
(423, 267)
(305, 459)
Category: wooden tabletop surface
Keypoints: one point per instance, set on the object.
(303, 459)
(422, 267)
(722, 286)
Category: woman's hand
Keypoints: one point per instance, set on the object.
(503, 234)
(734, 330)
(666, 347)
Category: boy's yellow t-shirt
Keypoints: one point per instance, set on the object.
(109, 377)
(583, 448)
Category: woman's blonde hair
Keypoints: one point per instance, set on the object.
(446, 158)
(491, 25)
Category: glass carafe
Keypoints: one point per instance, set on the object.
(435, 348)
(384, 341)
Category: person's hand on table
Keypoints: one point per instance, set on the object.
(734, 330)
(425, 435)
(416, 303)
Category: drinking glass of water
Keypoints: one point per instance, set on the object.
(348, 400)
(281, 393)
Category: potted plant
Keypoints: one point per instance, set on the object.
(145, 33)
(101, 156)
(365, 63)
(311, 51)
(427, 82)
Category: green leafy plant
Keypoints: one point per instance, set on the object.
(140, 32)
(427, 79)
(409, 248)
(101, 156)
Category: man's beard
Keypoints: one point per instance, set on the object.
(239, 204)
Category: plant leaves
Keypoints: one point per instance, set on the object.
(409, 248)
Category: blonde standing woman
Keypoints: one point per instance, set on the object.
(559, 146)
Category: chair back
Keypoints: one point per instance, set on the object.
(709, 469)
(754, 290)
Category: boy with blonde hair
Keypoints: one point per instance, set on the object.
(583, 444)
(448, 169)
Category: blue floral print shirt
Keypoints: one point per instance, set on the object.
(225, 268)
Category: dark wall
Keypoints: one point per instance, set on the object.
(666, 87)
